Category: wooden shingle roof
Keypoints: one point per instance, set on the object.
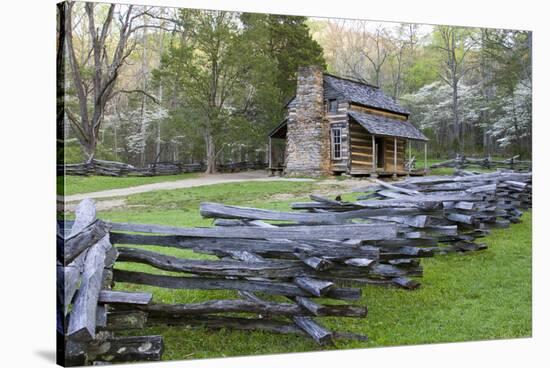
(380, 125)
(363, 94)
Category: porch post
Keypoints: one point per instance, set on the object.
(394, 157)
(374, 158)
(425, 157)
(269, 152)
(410, 153)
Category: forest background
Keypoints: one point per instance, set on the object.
(145, 84)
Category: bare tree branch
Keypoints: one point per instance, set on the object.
(153, 98)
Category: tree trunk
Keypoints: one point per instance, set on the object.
(396, 90)
(484, 70)
(519, 148)
(456, 122)
(161, 50)
(104, 76)
(210, 152)
(89, 150)
(144, 71)
(115, 123)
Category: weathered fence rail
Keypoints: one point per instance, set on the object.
(112, 168)
(462, 162)
(324, 250)
(471, 205)
(85, 324)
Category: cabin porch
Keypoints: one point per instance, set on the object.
(372, 155)
(276, 149)
(382, 147)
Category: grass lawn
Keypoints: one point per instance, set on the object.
(87, 184)
(477, 296)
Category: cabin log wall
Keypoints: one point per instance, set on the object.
(389, 154)
(369, 110)
(360, 149)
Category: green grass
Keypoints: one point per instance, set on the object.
(87, 184)
(476, 296)
(180, 207)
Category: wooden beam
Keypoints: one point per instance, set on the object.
(345, 231)
(82, 323)
(375, 111)
(355, 138)
(237, 323)
(356, 153)
(410, 155)
(251, 267)
(395, 155)
(248, 306)
(363, 147)
(81, 241)
(374, 157)
(85, 215)
(270, 152)
(213, 246)
(313, 329)
(360, 160)
(397, 189)
(216, 210)
(313, 286)
(274, 288)
(123, 297)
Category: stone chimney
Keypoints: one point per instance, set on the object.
(308, 146)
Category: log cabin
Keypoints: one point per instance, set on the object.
(336, 125)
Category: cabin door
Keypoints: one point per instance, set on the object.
(379, 152)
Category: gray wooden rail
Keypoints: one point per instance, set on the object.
(118, 169)
(472, 204)
(462, 162)
(85, 258)
(325, 250)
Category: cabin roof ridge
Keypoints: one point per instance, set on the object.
(349, 79)
(364, 94)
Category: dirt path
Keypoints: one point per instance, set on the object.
(115, 198)
(185, 183)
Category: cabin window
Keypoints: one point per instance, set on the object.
(336, 134)
(333, 105)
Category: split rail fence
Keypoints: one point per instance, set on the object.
(112, 168)
(283, 267)
(462, 162)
